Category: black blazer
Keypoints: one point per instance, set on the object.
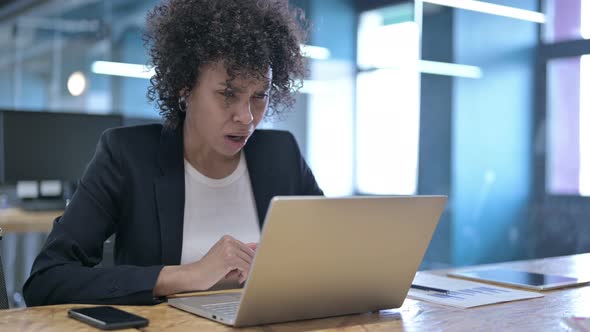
(134, 187)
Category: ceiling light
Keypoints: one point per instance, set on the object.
(122, 69)
(490, 8)
(315, 52)
(76, 83)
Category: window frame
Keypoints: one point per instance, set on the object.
(545, 53)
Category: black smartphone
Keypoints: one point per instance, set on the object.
(107, 318)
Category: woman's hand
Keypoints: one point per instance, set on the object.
(236, 275)
(227, 259)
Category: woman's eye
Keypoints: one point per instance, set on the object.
(228, 94)
(261, 96)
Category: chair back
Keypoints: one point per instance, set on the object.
(3, 295)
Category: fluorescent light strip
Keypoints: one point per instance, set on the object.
(490, 8)
(438, 68)
(584, 129)
(449, 69)
(140, 71)
(315, 52)
(310, 86)
(122, 69)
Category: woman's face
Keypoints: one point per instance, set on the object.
(220, 117)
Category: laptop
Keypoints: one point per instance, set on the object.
(321, 257)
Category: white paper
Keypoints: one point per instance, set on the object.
(463, 293)
(576, 324)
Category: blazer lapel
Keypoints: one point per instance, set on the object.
(169, 188)
(259, 177)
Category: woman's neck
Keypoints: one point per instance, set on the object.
(205, 160)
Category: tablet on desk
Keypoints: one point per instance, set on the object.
(535, 281)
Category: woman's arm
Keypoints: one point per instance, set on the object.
(65, 270)
(228, 257)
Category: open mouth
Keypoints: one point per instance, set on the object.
(236, 138)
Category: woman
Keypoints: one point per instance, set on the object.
(187, 199)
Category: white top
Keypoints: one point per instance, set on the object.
(216, 207)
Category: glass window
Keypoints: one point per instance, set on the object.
(568, 124)
(584, 126)
(387, 127)
(566, 20)
(387, 99)
(49, 56)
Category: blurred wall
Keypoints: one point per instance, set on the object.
(436, 110)
(492, 134)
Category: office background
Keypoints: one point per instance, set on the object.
(402, 98)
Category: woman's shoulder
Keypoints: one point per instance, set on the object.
(134, 133)
(272, 136)
(133, 138)
(272, 141)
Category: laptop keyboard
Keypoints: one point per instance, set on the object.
(228, 309)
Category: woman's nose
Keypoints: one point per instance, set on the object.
(244, 114)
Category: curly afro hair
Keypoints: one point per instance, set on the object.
(247, 35)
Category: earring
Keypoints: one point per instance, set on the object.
(182, 104)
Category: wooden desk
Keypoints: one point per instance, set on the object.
(15, 220)
(540, 314)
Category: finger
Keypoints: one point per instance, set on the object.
(245, 256)
(240, 277)
(243, 278)
(252, 245)
(241, 265)
(227, 240)
(233, 274)
(236, 251)
(246, 249)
